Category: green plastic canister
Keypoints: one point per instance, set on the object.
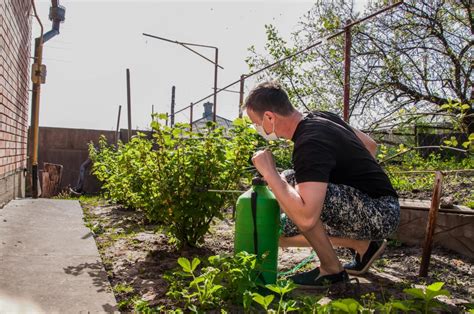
(257, 225)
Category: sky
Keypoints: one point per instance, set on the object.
(87, 62)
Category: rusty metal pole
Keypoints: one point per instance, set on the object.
(214, 117)
(431, 225)
(191, 117)
(117, 130)
(347, 69)
(35, 101)
(241, 94)
(129, 107)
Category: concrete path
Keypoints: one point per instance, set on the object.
(49, 260)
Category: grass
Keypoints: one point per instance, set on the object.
(458, 185)
(123, 288)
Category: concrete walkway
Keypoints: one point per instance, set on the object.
(49, 260)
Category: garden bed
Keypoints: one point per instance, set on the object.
(136, 257)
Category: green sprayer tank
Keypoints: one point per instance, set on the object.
(257, 225)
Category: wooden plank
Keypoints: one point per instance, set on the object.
(51, 179)
(425, 205)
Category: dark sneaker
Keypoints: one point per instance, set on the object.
(306, 278)
(73, 191)
(358, 265)
(313, 280)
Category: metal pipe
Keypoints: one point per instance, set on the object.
(185, 45)
(241, 94)
(117, 130)
(129, 106)
(35, 98)
(191, 117)
(214, 116)
(347, 69)
(173, 94)
(227, 191)
(298, 52)
(57, 14)
(35, 101)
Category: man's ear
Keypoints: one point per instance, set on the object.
(270, 115)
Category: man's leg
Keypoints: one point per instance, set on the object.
(319, 240)
(300, 241)
(358, 245)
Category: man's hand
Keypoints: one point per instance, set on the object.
(263, 161)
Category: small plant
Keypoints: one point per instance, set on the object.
(346, 306)
(425, 299)
(202, 289)
(457, 113)
(123, 288)
(226, 280)
(281, 288)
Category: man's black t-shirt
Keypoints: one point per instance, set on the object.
(328, 150)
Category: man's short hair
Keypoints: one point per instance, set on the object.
(269, 96)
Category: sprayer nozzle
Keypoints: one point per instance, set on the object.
(258, 181)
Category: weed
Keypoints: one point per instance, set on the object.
(425, 299)
(123, 288)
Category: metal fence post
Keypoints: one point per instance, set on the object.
(347, 69)
(191, 117)
(241, 94)
(129, 106)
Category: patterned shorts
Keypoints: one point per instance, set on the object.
(351, 214)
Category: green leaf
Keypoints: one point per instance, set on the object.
(435, 286)
(195, 263)
(445, 106)
(268, 299)
(432, 294)
(274, 288)
(263, 301)
(215, 288)
(415, 292)
(185, 264)
(400, 305)
(197, 281)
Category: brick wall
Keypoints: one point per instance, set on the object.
(15, 41)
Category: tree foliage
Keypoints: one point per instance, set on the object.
(408, 61)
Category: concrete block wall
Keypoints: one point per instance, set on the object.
(15, 42)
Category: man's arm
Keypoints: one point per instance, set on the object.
(368, 142)
(302, 204)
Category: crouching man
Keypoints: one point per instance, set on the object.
(337, 195)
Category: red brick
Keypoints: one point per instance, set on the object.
(15, 38)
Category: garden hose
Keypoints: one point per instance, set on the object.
(304, 262)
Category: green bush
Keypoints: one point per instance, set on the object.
(120, 169)
(188, 164)
(170, 175)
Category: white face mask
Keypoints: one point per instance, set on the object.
(269, 137)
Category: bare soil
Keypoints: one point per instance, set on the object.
(136, 255)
